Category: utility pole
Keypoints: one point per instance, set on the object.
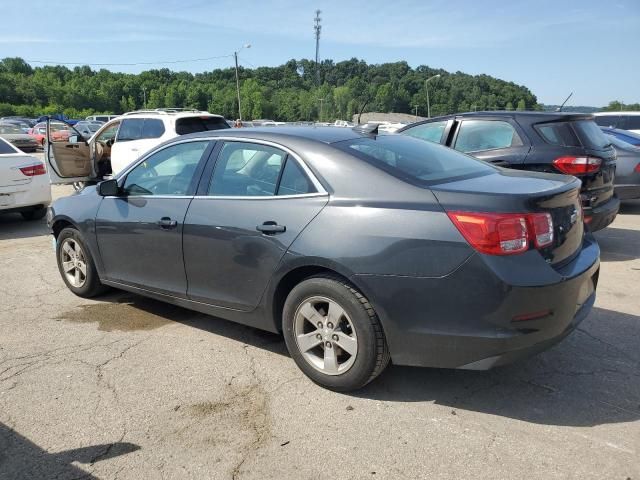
(235, 56)
(144, 96)
(321, 100)
(318, 28)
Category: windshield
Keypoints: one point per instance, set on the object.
(418, 161)
(9, 129)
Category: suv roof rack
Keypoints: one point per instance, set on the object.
(165, 111)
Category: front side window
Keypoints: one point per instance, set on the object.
(479, 135)
(131, 129)
(427, 131)
(169, 171)
(247, 169)
(413, 160)
(108, 133)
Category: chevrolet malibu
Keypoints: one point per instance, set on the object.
(360, 249)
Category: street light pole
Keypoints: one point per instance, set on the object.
(235, 56)
(426, 85)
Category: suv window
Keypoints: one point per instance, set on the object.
(632, 122)
(199, 124)
(478, 135)
(131, 129)
(247, 169)
(558, 133)
(427, 131)
(413, 160)
(153, 128)
(293, 180)
(167, 172)
(590, 134)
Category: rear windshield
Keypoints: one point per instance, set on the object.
(414, 160)
(5, 148)
(590, 134)
(199, 124)
(574, 134)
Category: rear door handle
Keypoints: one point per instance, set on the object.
(271, 228)
(167, 223)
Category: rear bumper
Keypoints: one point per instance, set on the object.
(627, 192)
(602, 215)
(466, 319)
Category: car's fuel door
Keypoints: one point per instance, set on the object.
(67, 154)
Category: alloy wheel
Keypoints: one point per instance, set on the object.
(325, 335)
(74, 263)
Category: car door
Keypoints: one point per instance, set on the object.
(259, 198)
(139, 232)
(67, 154)
(498, 141)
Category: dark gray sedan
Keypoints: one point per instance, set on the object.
(627, 183)
(358, 248)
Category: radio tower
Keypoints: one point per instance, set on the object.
(318, 28)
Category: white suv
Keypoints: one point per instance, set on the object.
(121, 141)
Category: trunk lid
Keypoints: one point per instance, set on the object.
(511, 191)
(10, 174)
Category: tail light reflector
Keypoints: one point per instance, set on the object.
(577, 165)
(504, 233)
(637, 169)
(33, 170)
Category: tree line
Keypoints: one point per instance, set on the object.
(289, 92)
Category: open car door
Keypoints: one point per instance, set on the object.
(67, 154)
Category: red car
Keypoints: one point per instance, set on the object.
(59, 132)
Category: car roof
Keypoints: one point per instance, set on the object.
(616, 113)
(169, 112)
(326, 135)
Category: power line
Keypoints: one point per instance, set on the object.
(164, 62)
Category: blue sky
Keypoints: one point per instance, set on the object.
(553, 47)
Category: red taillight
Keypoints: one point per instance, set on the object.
(637, 169)
(33, 170)
(577, 165)
(504, 233)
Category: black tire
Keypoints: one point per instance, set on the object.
(91, 286)
(372, 352)
(36, 214)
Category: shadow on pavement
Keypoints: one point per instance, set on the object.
(21, 458)
(12, 225)
(588, 379)
(618, 244)
(630, 207)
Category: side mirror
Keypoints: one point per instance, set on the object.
(108, 188)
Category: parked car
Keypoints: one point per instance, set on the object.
(550, 142)
(59, 132)
(24, 184)
(21, 124)
(28, 121)
(87, 128)
(14, 135)
(101, 118)
(622, 120)
(357, 247)
(627, 184)
(119, 142)
(624, 135)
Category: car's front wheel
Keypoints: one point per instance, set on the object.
(76, 265)
(333, 333)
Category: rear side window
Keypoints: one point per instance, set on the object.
(293, 180)
(199, 124)
(153, 128)
(5, 148)
(131, 129)
(479, 135)
(413, 160)
(427, 131)
(560, 134)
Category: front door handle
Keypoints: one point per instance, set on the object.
(167, 223)
(271, 228)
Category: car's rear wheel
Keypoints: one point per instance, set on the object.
(76, 265)
(333, 333)
(35, 214)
